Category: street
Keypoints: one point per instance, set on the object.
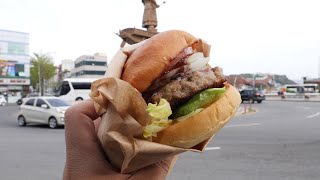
(279, 141)
(32, 152)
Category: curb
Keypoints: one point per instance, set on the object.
(11, 104)
(295, 98)
(292, 100)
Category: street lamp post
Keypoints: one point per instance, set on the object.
(39, 79)
(46, 83)
(253, 81)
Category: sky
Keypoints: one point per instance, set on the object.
(247, 36)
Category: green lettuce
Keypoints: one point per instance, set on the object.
(161, 110)
(160, 114)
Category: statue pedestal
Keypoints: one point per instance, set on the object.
(133, 35)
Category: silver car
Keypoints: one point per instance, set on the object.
(42, 110)
(3, 100)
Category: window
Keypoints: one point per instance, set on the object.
(91, 63)
(57, 102)
(40, 102)
(90, 73)
(244, 92)
(30, 102)
(65, 88)
(81, 85)
(97, 63)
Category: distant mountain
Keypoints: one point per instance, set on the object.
(281, 79)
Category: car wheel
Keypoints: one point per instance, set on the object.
(79, 99)
(19, 102)
(53, 123)
(259, 101)
(21, 121)
(251, 100)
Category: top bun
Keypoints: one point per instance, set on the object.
(150, 60)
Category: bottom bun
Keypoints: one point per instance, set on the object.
(204, 125)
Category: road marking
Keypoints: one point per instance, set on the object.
(244, 125)
(313, 115)
(303, 107)
(212, 148)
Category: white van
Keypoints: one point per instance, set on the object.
(75, 89)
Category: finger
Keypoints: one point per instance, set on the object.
(86, 107)
(83, 149)
(79, 122)
(169, 163)
(97, 123)
(156, 171)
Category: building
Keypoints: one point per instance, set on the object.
(312, 81)
(67, 65)
(88, 66)
(260, 82)
(238, 81)
(14, 62)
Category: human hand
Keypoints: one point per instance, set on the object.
(85, 158)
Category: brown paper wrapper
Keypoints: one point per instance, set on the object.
(124, 116)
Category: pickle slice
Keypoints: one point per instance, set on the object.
(201, 100)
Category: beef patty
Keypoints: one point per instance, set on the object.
(185, 86)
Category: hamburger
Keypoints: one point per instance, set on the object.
(188, 100)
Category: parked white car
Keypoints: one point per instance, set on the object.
(3, 100)
(42, 110)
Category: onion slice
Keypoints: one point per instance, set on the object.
(197, 61)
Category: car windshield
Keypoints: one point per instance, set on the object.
(33, 95)
(57, 102)
(81, 85)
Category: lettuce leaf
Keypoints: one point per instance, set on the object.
(160, 114)
(161, 110)
(155, 127)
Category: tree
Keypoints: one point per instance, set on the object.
(42, 68)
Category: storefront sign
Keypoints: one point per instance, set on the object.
(14, 81)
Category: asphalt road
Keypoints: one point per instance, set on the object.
(280, 141)
(29, 153)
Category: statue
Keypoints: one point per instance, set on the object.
(133, 35)
(150, 15)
